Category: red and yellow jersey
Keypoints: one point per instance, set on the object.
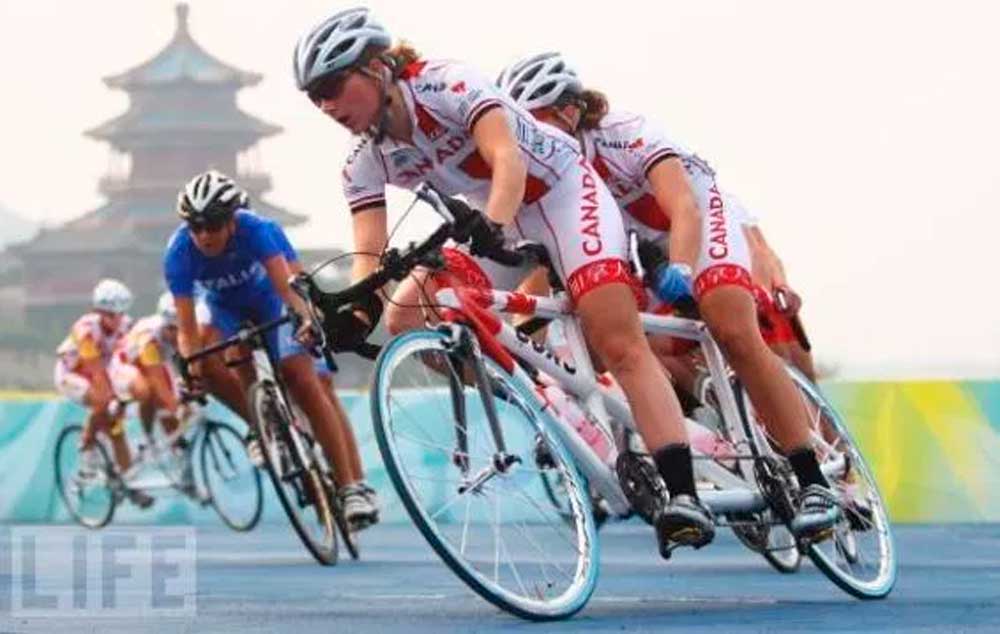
(88, 341)
(145, 344)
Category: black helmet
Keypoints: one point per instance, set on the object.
(210, 197)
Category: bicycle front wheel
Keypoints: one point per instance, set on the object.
(230, 479)
(483, 511)
(88, 491)
(300, 487)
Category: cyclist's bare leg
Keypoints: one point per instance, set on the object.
(409, 310)
(802, 359)
(327, 424)
(618, 339)
(354, 466)
(119, 443)
(221, 382)
(406, 310)
(682, 369)
(731, 316)
(140, 391)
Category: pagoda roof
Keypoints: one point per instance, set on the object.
(182, 59)
(146, 123)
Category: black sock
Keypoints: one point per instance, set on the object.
(806, 467)
(674, 464)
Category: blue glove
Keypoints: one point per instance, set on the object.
(672, 282)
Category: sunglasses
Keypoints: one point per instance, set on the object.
(210, 226)
(329, 87)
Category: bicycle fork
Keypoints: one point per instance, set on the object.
(463, 352)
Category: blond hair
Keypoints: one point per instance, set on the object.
(397, 57)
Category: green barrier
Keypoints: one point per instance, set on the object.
(934, 447)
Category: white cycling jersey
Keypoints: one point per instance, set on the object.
(87, 340)
(145, 345)
(623, 149)
(566, 207)
(445, 100)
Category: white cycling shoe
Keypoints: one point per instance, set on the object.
(360, 504)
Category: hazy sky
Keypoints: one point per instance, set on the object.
(864, 134)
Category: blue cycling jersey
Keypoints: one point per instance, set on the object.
(237, 276)
(235, 284)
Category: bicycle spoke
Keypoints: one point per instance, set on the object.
(465, 525)
(544, 553)
(558, 524)
(513, 567)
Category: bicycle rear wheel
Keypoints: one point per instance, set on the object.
(861, 556)
(89, 495)
(230, 479)
(300, 487)
(485, 513)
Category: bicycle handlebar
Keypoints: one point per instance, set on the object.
(396, 264)
(242, 336)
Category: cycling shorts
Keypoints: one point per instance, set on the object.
(579, 224)
(228, 320)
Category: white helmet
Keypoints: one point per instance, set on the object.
(166, 310)
(539, 81)
(335, 44)
(209, 197)
(112, 296)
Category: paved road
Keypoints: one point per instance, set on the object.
(262, 582)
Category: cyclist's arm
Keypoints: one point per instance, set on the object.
(774, 266)
(370, 236)
(188, 338)
(95, 371)
(498, 147)
(151, 366)
(278, 270)
(536, 283)
(669, 182)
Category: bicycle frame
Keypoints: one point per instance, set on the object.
(500, 340)
(155, 452)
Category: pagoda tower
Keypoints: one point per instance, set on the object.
(182, 119)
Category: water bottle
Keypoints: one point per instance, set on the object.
(710, 443)
(592, 432)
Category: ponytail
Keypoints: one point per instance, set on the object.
(399, 57)
(595, 108)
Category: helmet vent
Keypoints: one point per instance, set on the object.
(528, 76)
(339, 49)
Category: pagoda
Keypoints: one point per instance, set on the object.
(182, 119)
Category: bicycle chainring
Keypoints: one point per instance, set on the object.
(777, 485)
(642, 485)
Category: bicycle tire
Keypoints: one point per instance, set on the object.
(584, 578)
(67, 444)
(213, 449)
(262, 395)
(852, 526)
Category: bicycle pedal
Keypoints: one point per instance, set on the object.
(641, 484)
